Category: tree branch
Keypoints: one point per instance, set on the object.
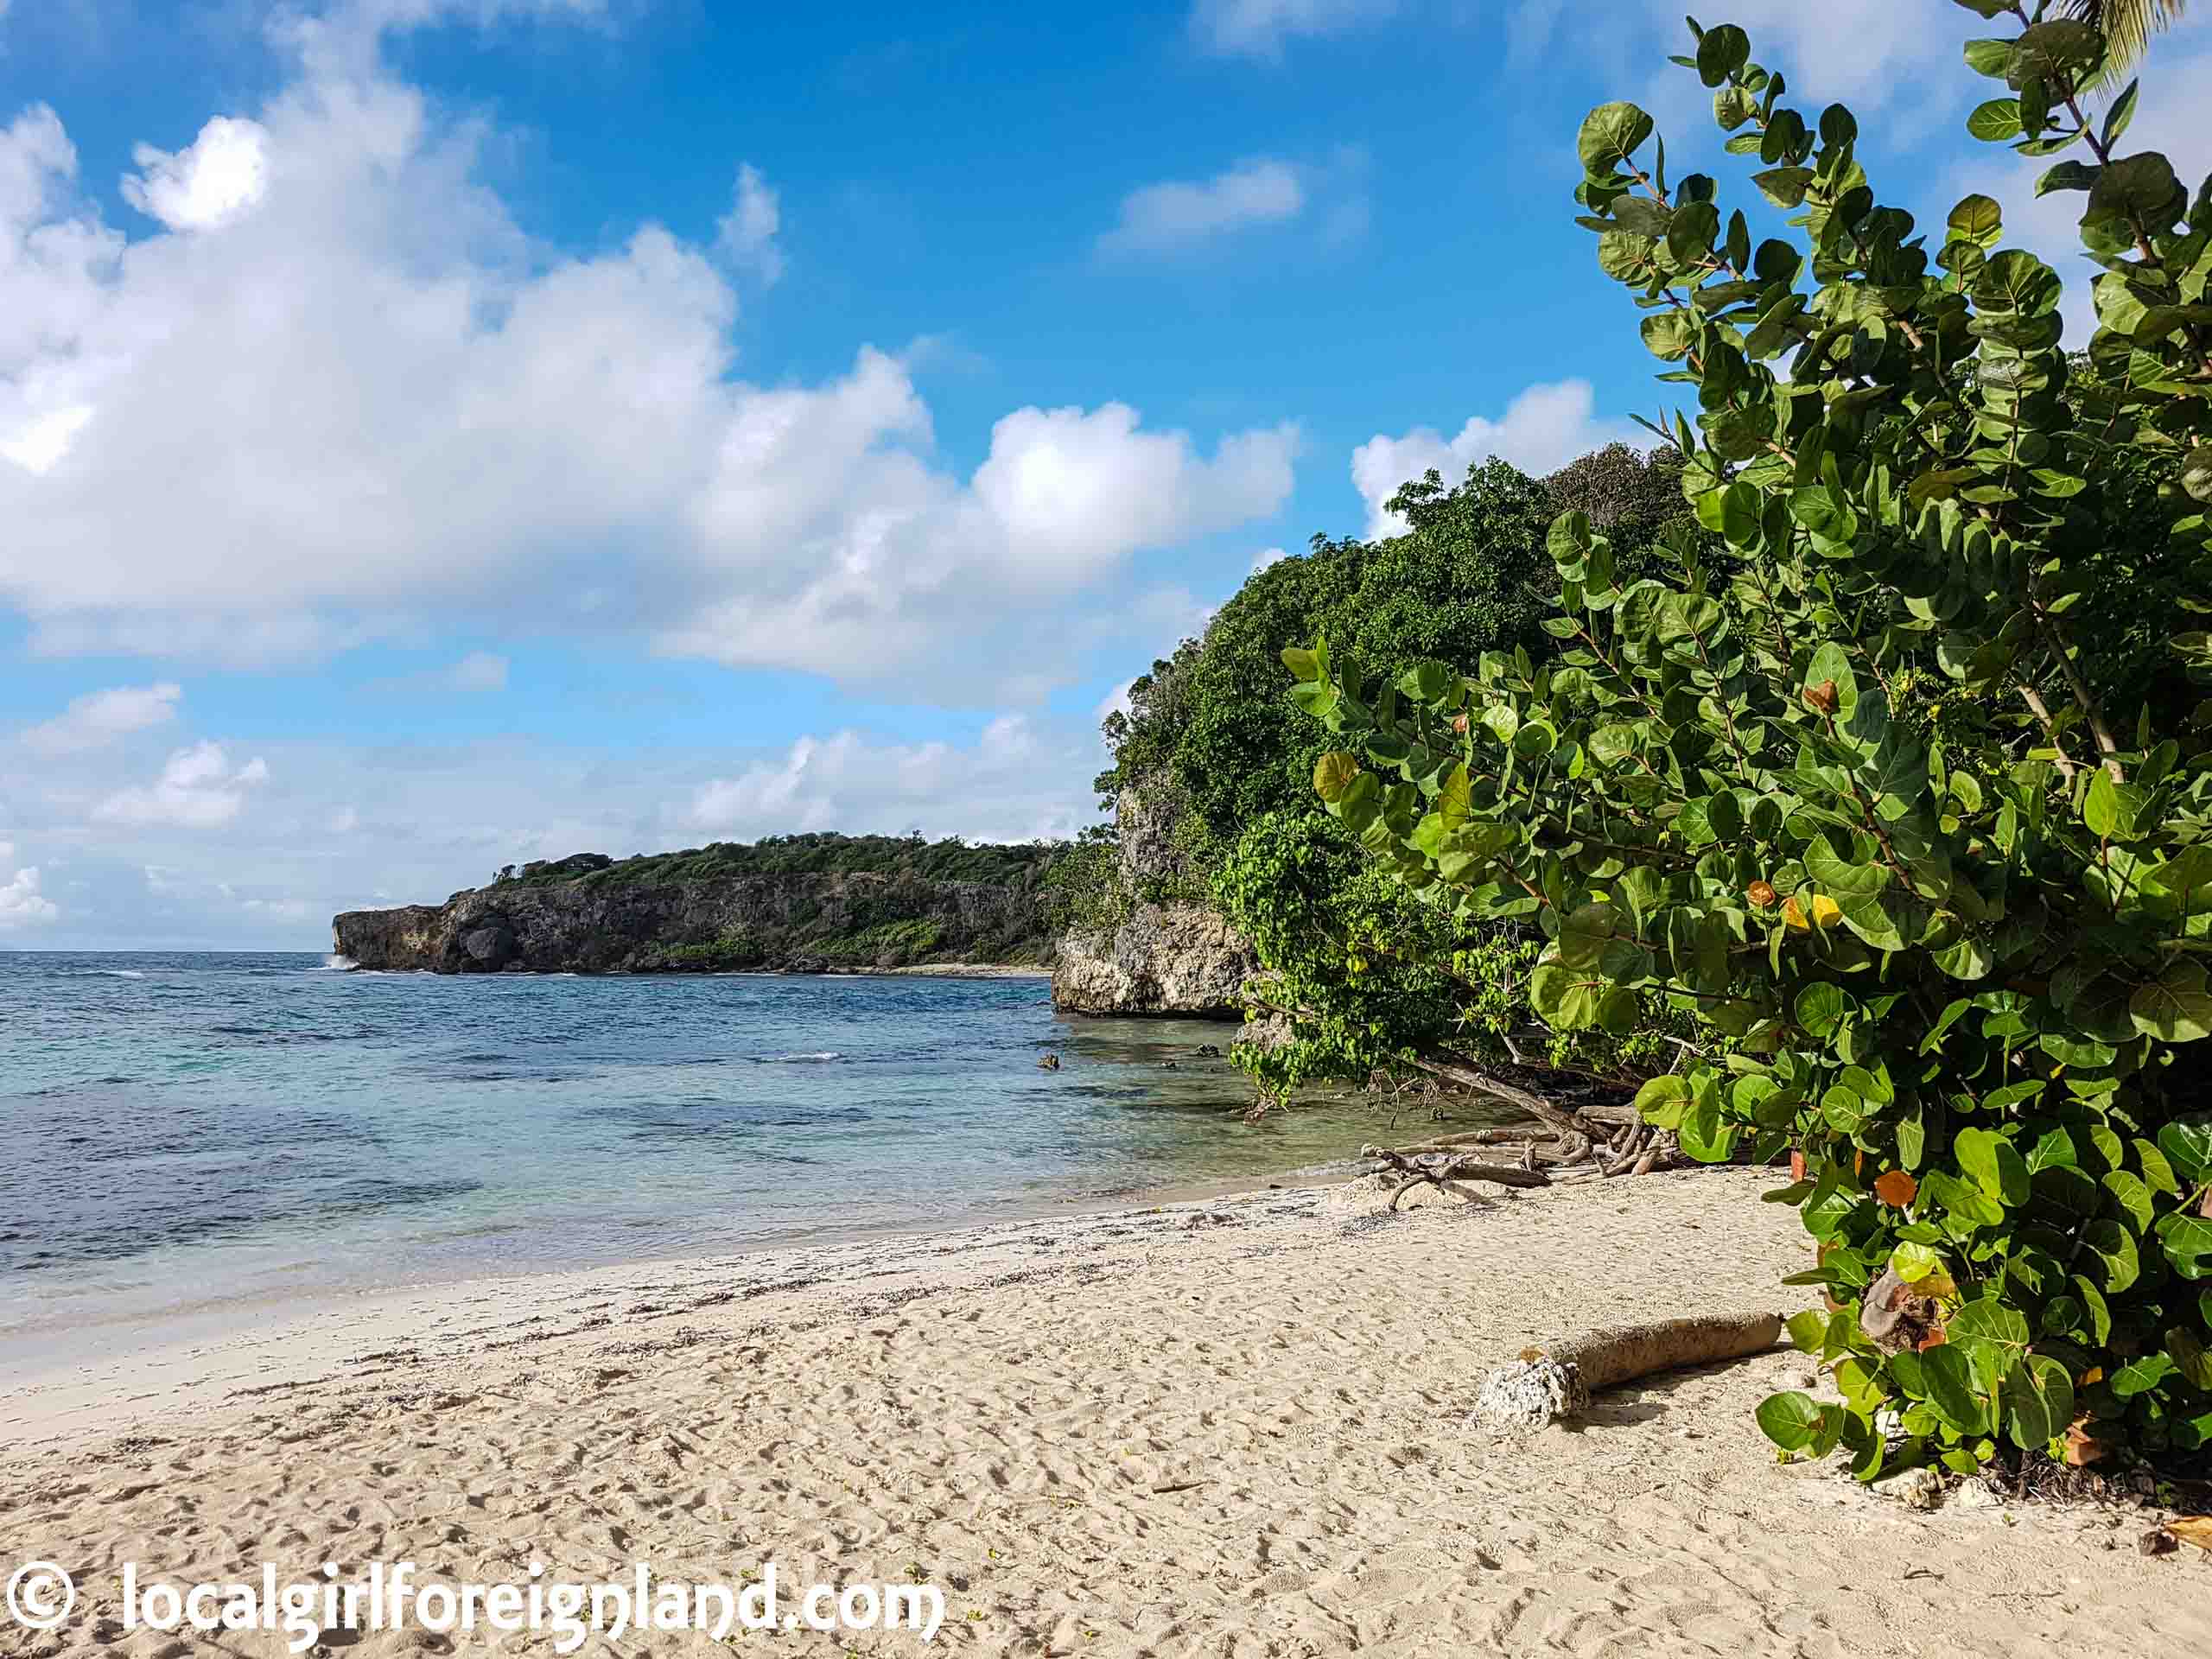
(2036, 706)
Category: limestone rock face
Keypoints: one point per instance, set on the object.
(1166, 958)
(1178, 959)
(487, 950)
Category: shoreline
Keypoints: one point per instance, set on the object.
(181, 1356)
(911, 970)
(1236, 1428)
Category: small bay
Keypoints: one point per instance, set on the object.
(183, 1130)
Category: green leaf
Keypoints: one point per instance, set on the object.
(1989, 57)
(2109, 809)
(1669, 334)
(2099, 1314)
(2135, 1197)
(1453, 798)
(1565, 999)
(1611, 134)
(1977, 218)
(1426, 681)
(1844, 1110)
(1913, 1262)
(2157, 1173)
(2190, 1356)
(1831, 664)
(2187, 1142)
(2039, 1404)
(1999, 1332)
(1912, 1138)
(2054, 1151)
(1989, 1158)
(1332, 774)
(1664, 1099)
(1820, 1008)
(2176, 1006)
(2141, 188)
(1739, 515)
(1704, 1135)
(1859, 891)
(2121, 113)
(2140, 1375)
(1827, 518)
(2114, 1243)
(1784, 186)
(1720, 53)
(2187, 1241)
(1950, 1383)
(1996, 121)
(2067, 176)
(1968, 1205)
(1791, 1421)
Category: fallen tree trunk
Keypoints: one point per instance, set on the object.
(1444, 1068)
(1557, 1379)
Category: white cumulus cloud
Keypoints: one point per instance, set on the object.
(101, 717)
(1542, 428)
(199, 789)
(1178, 212)
(21, 905)
(215, 180)
(1014, 782)
(374, 397)
(884, 560)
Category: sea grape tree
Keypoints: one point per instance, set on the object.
(1856, 793)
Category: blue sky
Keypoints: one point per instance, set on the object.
(436, 432)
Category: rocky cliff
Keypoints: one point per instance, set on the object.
(1165, 953)
(583, 915)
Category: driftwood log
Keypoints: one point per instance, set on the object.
(1556, 1379)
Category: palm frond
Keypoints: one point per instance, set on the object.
(2127, 26)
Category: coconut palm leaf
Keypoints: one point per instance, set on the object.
(2128, 26)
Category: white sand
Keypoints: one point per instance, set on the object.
(1236, 1428)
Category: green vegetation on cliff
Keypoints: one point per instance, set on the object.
(1215, 750)
(952, 859)
(806, 903)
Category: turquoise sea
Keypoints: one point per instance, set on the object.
(185, 1129)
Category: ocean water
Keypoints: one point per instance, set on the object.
(185, 1129)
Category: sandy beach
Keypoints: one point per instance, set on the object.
(1235, 1428)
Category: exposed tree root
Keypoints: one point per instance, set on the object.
(1573, 1155)
(1442, 1176)
(1556, 1379)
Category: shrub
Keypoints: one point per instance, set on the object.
(1371, 976)
(1859, 799)
(1083, 890)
